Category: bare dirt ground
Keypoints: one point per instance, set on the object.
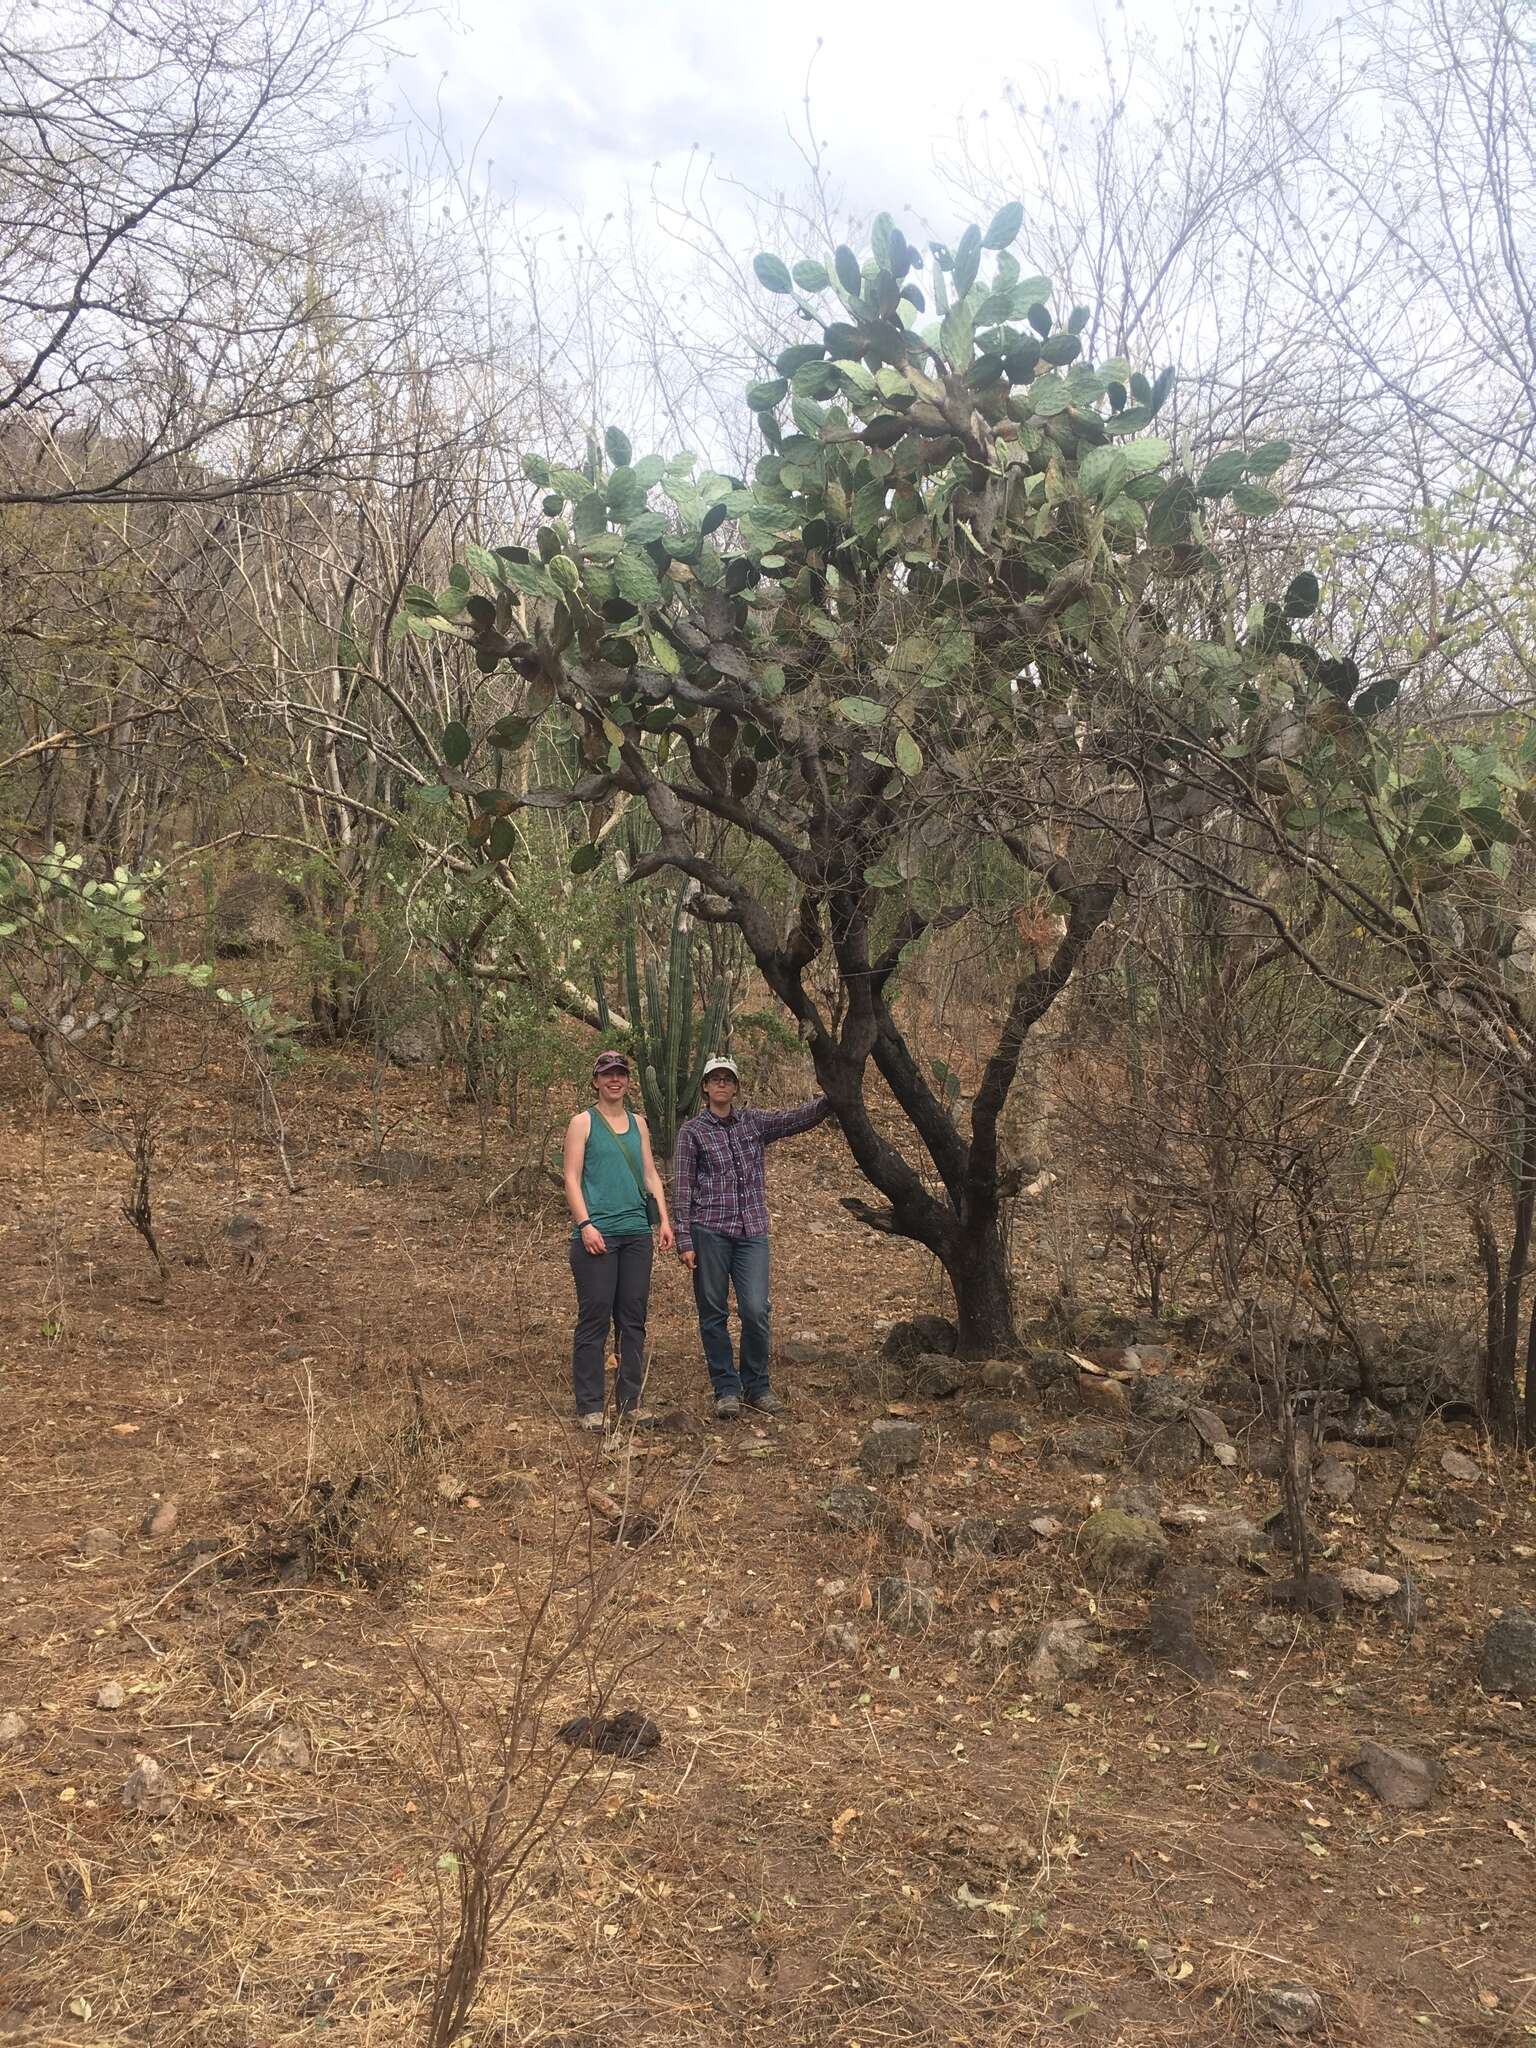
(898, 1842)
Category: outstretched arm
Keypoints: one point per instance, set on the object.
(773, 1124)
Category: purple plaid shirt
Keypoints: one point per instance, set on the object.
(717, 1181)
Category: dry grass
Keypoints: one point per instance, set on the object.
(902, 1848)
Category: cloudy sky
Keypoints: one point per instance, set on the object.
(592, 97)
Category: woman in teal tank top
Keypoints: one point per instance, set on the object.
(609, 1172)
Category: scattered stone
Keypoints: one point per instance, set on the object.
(1457, 1465)
(891, 1448)
(1160, 1400)
(1289, 2008)
(1054, 1377)
(1122, 1549)
(1395, 1776)
(854, 1507)
(1106, 1397)
(975, 1537)
(160, 1520)
(911, 1339)
(1315, 1594)
(1406, 1606)
(840, 1639)
(1269, 1459)
(12, 1727)
(904, 1602)
(1003, 1375)
(1221, 1533)
(287, 1749)
(936, 1378)
(986, 1419)
(628, 1734)
(1063, 1650)
(112, 1696)
(1091, 1446)
(1170, 1452)
(100, 1542)
(1369, 1425)
(1509, 1655)
(1137, 1497)
(451, 1487)
(1171, 1638)
(418, 1043)
(148, 1789)
(1335, 1480)
(1277, 1527)
(1213, 1432)
(1370, 1587)
(1273, 1629)
(1152, 1358)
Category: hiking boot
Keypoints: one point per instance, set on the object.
(728, 1407)
(767, 1403)
(593, 1419)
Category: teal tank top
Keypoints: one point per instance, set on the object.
(611, 1192)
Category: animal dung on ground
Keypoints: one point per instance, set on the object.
(628, 1734)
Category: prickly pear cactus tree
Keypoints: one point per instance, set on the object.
(946, 648)
(669, 1037)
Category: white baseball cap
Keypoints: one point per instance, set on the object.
(718, 1063)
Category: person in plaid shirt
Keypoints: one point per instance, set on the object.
(720, 1215)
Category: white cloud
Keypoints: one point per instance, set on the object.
(593, 97)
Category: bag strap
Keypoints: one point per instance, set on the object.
(593, 1121)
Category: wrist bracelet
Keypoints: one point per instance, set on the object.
(585, 1223)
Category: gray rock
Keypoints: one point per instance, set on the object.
(1213, 1433)
(1171, 1452)
(100, 1542)
(922, 1333)
(1335, 1480)
(840, 1639)
(891, 1448)
(1370, 1588)
(1104, 1397)
(112, 1696)
(854, 1507)
(287, 1749)
(1121, 1549)
(1396, 1777)
(1219, 1533)
(975, 1537)
(149, 1789)
(1137, 1497)
(1289, 2008)
(1366, 1424)
(936, 1378)
(802, 1350)
(160, 1520)
(1004, 1375)
(904, 1602)
(1063, 1650)
(1509, 1655)
(12, 1726)
(1406, 1606)
(418, 1043)
(1172, 1640)
(984, 1419)
(1457, 1465)
(1315, 1594)
(1091, 1446)
(1160, 1399)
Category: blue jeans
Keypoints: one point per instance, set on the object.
(720, 1263)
